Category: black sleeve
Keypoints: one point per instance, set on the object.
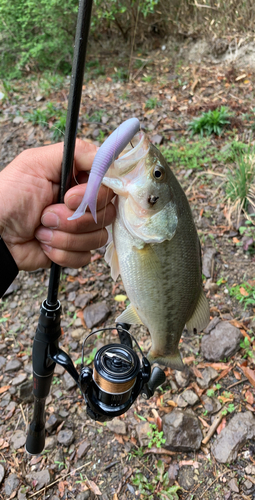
(8, 268)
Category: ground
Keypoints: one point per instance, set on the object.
(85, 459)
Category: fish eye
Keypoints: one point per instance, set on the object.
(159, 173)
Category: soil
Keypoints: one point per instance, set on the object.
(101, 463)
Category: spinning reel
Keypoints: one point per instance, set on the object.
(118, 377)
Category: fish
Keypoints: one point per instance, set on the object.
(156, 250)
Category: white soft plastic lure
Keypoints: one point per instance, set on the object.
(106, 155)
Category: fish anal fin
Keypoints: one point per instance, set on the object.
(201, 316)
(129, 316)
(111, 258)
(173, 361)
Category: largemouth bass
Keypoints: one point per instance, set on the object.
(156, 250)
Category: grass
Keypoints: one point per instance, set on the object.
(240, 188)
(191, 154)
(211, 122)
(49, 117)
(159, 481)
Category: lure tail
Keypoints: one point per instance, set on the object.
(105, 156)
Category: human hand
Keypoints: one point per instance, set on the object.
(33, 226)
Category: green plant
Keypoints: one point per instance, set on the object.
(152, 103)
(210, 393)
(240, 183)
(87, 359)
(156, 437)
(36, 35)
(160, 481)
(247, 345)
(49, 117)
(244, 293)
(190, 154)
(211, 122)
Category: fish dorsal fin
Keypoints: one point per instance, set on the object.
(129, 316)
(111, 258)
(155, 228)
(201, 316)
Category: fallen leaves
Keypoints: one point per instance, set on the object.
(249, 373)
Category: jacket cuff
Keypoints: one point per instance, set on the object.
(8, 268)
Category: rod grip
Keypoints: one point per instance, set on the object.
(36, 432)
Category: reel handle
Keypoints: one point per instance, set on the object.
(157, 378)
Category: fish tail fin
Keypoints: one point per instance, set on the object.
(173, 361)
(201, 316)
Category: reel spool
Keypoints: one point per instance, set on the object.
(115, 382)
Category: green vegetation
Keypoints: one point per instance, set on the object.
(193, 154)
(152, 103)
(240, 181)
(244, 293)
(87, 359)
(248, 233)
(49, 117)
(247, 345)
(160, 481)
(156, 437)
(211, 122)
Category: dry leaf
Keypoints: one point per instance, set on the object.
(4, 388)
(243, 291)
(196, 372)
(172, 403)
(249, 397)
(205, 424)
(222, 425)
(250, 374)
(93, 487)
(61, 488)
(237, 375)
(119, 438)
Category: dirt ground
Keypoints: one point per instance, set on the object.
(100, 461)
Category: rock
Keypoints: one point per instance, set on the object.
(211, 405)
(182, 378)
(78, 333)
(233, 485)
(212, 324)
(180, 401)
(18, 439)
(233, 437)
(17, 120)
(222, 342)
(2, 473)
(83, 449)
(69, 381)
(70, 271)
(117, 425)
(85, 495)
(52, 423)
(71, 297)
(2, 361)
(22, 493)
(26, 391)
(142, 430)
(21, 377)
(96, 314)
(190, 397)
(66, 437)
(209, 374)
(11, 484)
(211, 286)
(13, 365)
(186, 477)
(83, 299)
(182, 430)
(50, 442)
(157, 139)
(38, 479)
(207, 262)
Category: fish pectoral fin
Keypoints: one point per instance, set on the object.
(111, 258)
(201, 316)
(129, 316)
(173, 361)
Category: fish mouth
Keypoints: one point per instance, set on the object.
(134, 152)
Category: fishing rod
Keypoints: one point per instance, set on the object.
(119, 375)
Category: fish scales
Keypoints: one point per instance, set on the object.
(157, 252)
